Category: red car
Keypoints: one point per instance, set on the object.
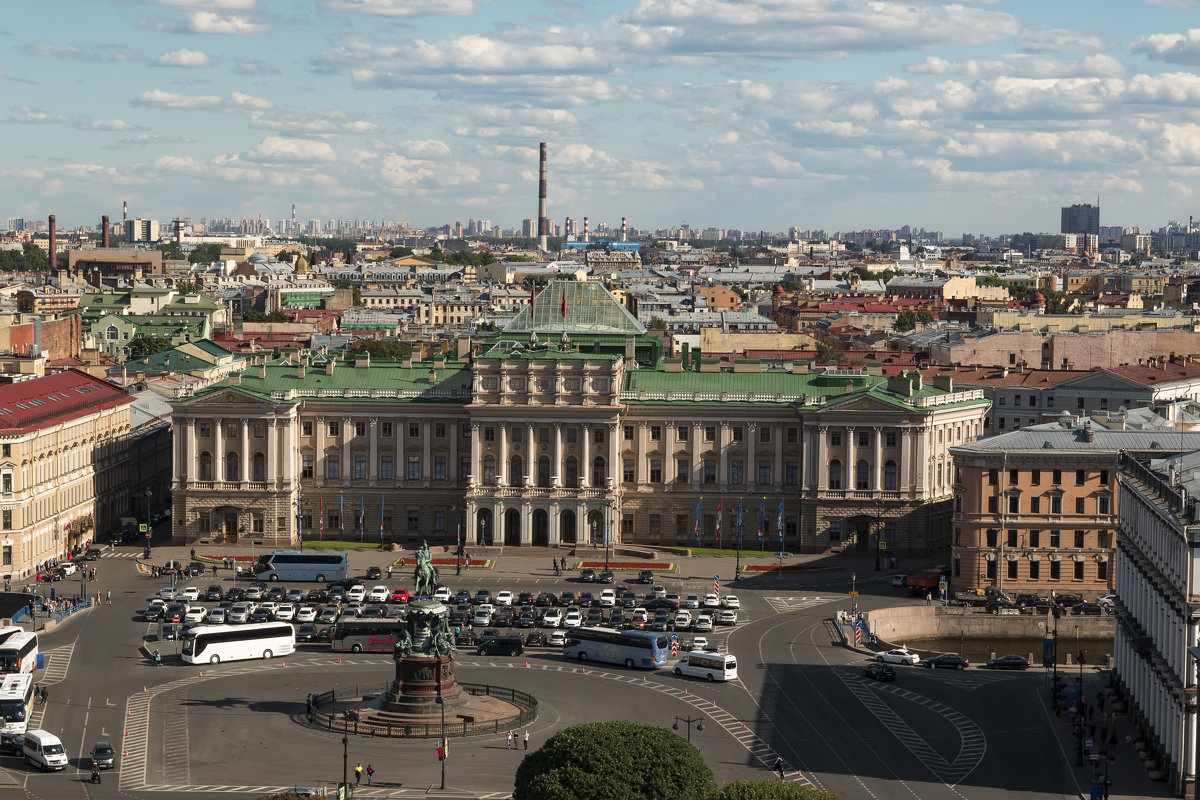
(399, 595)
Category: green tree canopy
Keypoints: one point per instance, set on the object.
(906, 321)
(382, 348)
(259, 316)
(612, 761)
(400, 252)
(148, 345)
(205, 253)
(172, 250)
(828, 350)
(187, 287)
(925, 316)
(657, 323)
(769, 789)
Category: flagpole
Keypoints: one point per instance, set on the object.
(737, 531)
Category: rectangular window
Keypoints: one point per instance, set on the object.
(334, 428)
(681, 470)
(1079, 477)
(1035, 570)
(835, 438)
(656, 433)
(572, 433)
(1055, 570)
(1055, 540)
(764, 433)
(1104, 477)
(764, 472)
(1032, 400)
(306, 429)
(439, 468)
(543, 435)
(414, 521)
(656, 524)
(793, 436)
(414, 430)
(1055, 504)
(738, 434)
(1079, 505)
(1102, 504)
(991, 570)
(656, 470)
(1049, 401)
(466, 430)
(710, 433)
(1012, 570)
(1035, 477)
(681, 527)
(385, 430)
(993, 505)
(256, 523)
(6, 519)
(360, 467)
(864, 438)
(835, 531)
(360, 429)
(598, 434)
(333, 467)
(306, 466)
(1079, 402)
(991, 537)
(1035, 505)
(414, 468)
(1080, 538)
(439, 520)
(1078, 570)
(489, 434)
(791, 473)
(681, 433)
(710, 471)
(335, 521)
(6, 483)
(737, 474)
(1002, 423)
(627, 524)
(1003, 400)
(1056, 477)
(627, 474)
(386, 467)
(439, 430)
(1034, 538)
(1014, 504)
(993, 477)
(206, 524)
(1101, 570)
(205, 432)
(889, 439)
(1016, 400)
(1012, 477)
(627, 433)
(464, 467)
(6, 450)
(1012, 538)
(957, 568)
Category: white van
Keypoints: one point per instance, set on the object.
(43, 749)
(710, 666)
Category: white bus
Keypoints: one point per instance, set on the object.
(212, 644)
(18, 653)
(710, 666)
(8, 631)
(16, 702)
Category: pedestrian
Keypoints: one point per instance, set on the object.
(37, 693)
(779, 767)
(108, 597)
(508, 744)
(929, 598)
(193, 554)
(358, 773)
(564, 563)
(1100, 701)
(370, 772)
(526, 740)
(389, 572)
(45, 695)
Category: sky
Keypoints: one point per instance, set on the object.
(981, 117)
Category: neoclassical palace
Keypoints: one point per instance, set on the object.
(568, 424)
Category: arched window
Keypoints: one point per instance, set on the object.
(206, 473)
(258, 468)
(835, 474)
(489, 470)
(861, 475)
(232, 462)
(572, 471)
(599, 473)
(515, 472)
(889, 476)
(543, 477)
(111, 333)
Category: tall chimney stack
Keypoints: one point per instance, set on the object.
(585, 230)
(104, 231)
(178, 223)
(543, 220)
(124, 213)
(566, 227)
(624, 231)
(53, 244)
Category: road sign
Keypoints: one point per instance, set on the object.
(942, 585)
(143, 527)
(674, 637)
(882, 544)
(855, 591)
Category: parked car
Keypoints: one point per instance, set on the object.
(1029, 600)
(899, 581)
(572, 619)
(524, 599)
(504, 598)
(378, 594)
(727, 616)
(683, 620)
(526, 619)
(645, 576)
(153, 613)
(731, 601)
(558, 639)
(325, 634)
(399, 595)
(195, 614)
(608, 598)
(585, 600)
(442, 593)
(503, 645)
(691, 601)
(605, 577)
(1089, 610)
(217, 616)
(1007, 662)
(703, 623)
(357, 593)
(536, 639)
(899, 656)
(214, 593)
(285, 613)
(1068, 600)
(1109, 601)
(482, 597)
(628, 599)
(711, 601)
(306, 614)
(880, 672)
(306, 633)
(374, 573)
(466, 638)
(552, 618)
(587, 575)
(947, 661)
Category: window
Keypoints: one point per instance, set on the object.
(958, 503)
(1035, 570)
(627, 524)
(466, 430)
(835, 531)
(957, 568)
(1079, 505)
(1035, 505)
(991, 570)
(889, 476)
(710, 471)
(1079, 477)
(1049, 401)
(360, 467)
(1035, 538)
(1055, 539)
(1079, 402)
(440, 469)
(1012, 570)
(571, 468)
(737, 472)
(1080, 538)
(306, 429)
(572, 434)
(1014, 504)
(861, 475)
(991, 537)
(864, 438)
(738, 434)
(414, 430)
(656, 470)
(206, 523)
(1055, 504)
(889, 439)
(791, 473)
(543, 435)
(627, 433)
(764, 472)
(543, 472)
(439, 431)
(655, 433)
(414, 521)
(793, 435)
(656, 524)
(627, 470)
(1012, 477)
(414, 468)
(1056, 477)
(992, 505)
(1101, 570)
(489, 470)
(256, 523)
(489, 434)
(385, 430)
(1003, 400)
(333, 467)
(1002, 423)
(205, 431)
(835, 438)
(764, 433)
(1078, 570)
(1102, 504)
(993, 477)
(835, 474)
(386, 468)
(464, 467)
(1032, 400)
(334, 428)
(598, 435)
(1016, 400)
(1035, 477)
(6, 519)
(599, 471)
(360, 429)
(681, 433)
(206, 471)
(682, 470)
(1012, 538)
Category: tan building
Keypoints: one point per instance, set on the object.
(65, 466)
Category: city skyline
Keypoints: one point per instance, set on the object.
(980, 118)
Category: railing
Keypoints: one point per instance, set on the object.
(1154, 482)
(538, 492)
(333, 720)
(948, 399)
(401, 394)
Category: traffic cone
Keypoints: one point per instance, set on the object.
(126, 734)
(643, 679)
(285, 663)
(143, 688)
(743, 726)
(526, 665)
(339, 661)
(129, 713)
(201, 673)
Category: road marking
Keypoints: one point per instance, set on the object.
(783, 605)
(58, 662)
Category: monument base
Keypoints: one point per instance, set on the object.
(416, 688)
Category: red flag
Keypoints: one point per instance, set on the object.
(532, 295)
(564, 305)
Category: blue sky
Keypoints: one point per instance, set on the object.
(835, 114)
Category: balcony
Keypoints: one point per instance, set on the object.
(857, 494)
(223, 486)
(538, 493)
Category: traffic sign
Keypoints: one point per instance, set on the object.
(942, 585)
(855, 591)
(674, 637)
(143, 527)
(882, 544)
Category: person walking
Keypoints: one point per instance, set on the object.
(929, 598)
(358, 773)
(108, 597)
(389, 572)
(193, 554)
(778, 767)
(508, 744)
(370, 772)
(45, 695)
(527, 740)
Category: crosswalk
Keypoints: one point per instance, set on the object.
(58, 662)
(121, 554)
(784, 604)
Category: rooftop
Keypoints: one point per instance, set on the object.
(30, 405)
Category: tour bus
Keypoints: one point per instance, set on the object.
(291, 565)
(366, 635)
(16, 702)
(710, 666)
(632, 648)
(19, 653)
(212, 644)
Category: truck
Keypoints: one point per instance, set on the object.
(981, 597)
(924, 582)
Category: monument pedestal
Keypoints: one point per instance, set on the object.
(415, 689)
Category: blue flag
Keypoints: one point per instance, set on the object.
(762, 520)
(698, 512)
(737, 525)
(362, 518)
(341, 517)
(781, 525)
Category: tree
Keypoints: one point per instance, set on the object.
(925, 316)
(187, 287)
(287, 255)
(400, 252)
(148, 345)
(486, 327)
(609, 761)
(172, 250)
(35, 257)
(517, 257)
(828, 351)
(205, 253)
(769, 789)
(906, 321)
(259, 316)
(657, 324)
(382, 348)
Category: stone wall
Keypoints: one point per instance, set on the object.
(909, 623)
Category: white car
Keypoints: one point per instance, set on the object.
(378, 594)
(683, 619)
(573, 619)
(727, 616)
(216, 617)
(504, 598)
(899, 656)
(357, 593)
(691, 601)
(703, 623)
(482, 618)
(285, 613)
(659, 591)
(442, 593)
(698, 643)
(899, 581)
(306, 614)
(190, 593)
(238, 614)
(552, 618)
(731, 601)
(1108, 601)
(608, 598)
(196, 614)
(558, 639)
(352, 610)
(68, 567)
(711, 601)
(166, 593)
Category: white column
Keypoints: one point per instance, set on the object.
(822, 482)
(373, 459)
(921, 468)
(476, 466)
(878, 456)
(585, 469)
(641, 457)
(905, 478)
(319, 465)
(271, 452)
(723, 449)
(186, 472)
(502, 467)
(288, 444)
(751, 463)
(851, 471)
(557, 469)
(219, 446)
(615, 467)
(427, 452)
(530, 455)
(697, 462)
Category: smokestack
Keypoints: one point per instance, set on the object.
(585, 230)
(566, 227)
(178, 231)
(543, 221)
(624, 231)
(53, 244)
(104, 231)
(124, 212)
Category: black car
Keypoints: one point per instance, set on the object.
(524, 599)
(646, 576)
(585, 600)
(587, 575)
(277, 593)
(504, 617)
(605, 577)
(545, 600)
(103, 755)
(1046, 607)
(260, 615)
(946, 661)
(1029, 600)
(91, 554)
(595, 618)
(214, 593)
(1088, 610)
(1068, 600)
(527, 619)
(460, 615)
(153, 613)
(1002, 607)
(1007, 662)
(628, 600)
(325, 634)
(537, 639)
(617, 618)
(879, 672)
(464, 638)
(503, 645)
(374, 573)
(566, 599)
(317, 596)
(306, 632)
(336, 594)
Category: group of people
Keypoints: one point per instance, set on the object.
(558, 565)
(359, 772)
(514, 738)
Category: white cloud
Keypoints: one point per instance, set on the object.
(403, 8)
(323, 123)
(68, 53)
(210, 22)
(36, 116)
(222, 5)
(183, 57)
(157, 138)
(1058, 40)
(277, 148)
(1022, 65)
(432, 149)
(157, 98)
(1173, 48)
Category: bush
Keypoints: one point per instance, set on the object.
(607, 761)
(769, 789)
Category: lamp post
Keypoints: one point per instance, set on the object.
(607, 533)
(698, 722)
(345, 755)
(1079, 702)
(442, 734)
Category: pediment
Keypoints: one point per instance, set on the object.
(862, 403)
(228, 397)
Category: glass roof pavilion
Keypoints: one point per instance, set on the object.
(588, 308)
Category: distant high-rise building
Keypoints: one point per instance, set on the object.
(529, 227)
(1081, 218)
(16, 224)
(141, 230)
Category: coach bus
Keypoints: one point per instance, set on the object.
(366, 635)
(212, 644)
(291, 565)
(16, 702)
(19, 653)
(632, 648)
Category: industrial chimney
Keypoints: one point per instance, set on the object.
(624, 231)
(543, 220)
(104, 231)
(585, 230)
(124, 213)
(53, 244)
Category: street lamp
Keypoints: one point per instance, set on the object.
(737, 534)
(698, 722)
(607, 533)
(1079, 701)
(878, 542)
(345, 755)
(442, 704)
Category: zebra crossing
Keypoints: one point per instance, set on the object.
(785, 604)
(58, 662)
(122, 554)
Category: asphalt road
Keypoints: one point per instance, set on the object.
(233, 729)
